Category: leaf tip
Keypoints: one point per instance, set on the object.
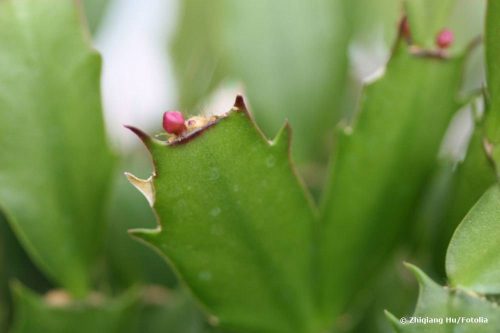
(414, 269)
(284, 136)
(392, 320)
(145, 138)
(421, 277)
(239, 103)
(145, 186)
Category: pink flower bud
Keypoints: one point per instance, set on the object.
(173, 122)
(444, 39)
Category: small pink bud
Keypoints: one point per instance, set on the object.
(444, 39)
(173, 122)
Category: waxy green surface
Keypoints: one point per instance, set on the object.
(236, 224)
(55, 164)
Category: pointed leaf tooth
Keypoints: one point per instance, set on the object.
(239, 103)
(144, 186)
(395, 323)
(283, 139)
(148, 236)
(421, 277)
(145, 138)
(140, 134)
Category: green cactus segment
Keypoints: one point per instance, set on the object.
(427, 18)
(236, 224)
(473, 259)
(95, 10)
(56, 314)
(380, 166)
(471, 179)
(50, 115)
(492, 51)
(437, 303)
(15, 265)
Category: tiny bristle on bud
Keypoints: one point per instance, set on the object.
(173, 122)
(444, 38)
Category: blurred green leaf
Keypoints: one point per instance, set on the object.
(56, 314)
(471, 179)
(457, 184)
(380, 166)
(236, 224)
(466, 21)
(15, 264)
(435, 301)
(195, 52)
(473, 259)
(291, 57)
(4, 292)
(375, 20)
(170, 311)
(94, 12)
(427, 18)
(394, 288)
(431, 212)
(492, 52)
(55, 163)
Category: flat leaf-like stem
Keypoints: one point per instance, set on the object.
(492, 52)
(473, 258)
(442, 310)
(469, 180)
(55, 164)
(379, 167)
(236, 223)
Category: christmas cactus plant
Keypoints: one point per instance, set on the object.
(324, 222)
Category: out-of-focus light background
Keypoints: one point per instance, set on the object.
(138, 79)
(138, 83)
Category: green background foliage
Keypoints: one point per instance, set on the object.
(302, 233)
(50, 102)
